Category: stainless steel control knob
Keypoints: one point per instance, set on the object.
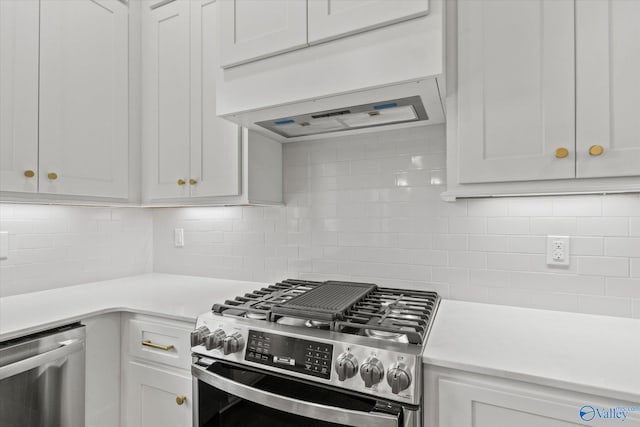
(214, 339)
(233, 343)
(371, 371)
(198, 336)
(346, 366)
(398, 377)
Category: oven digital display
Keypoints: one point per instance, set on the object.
(292, 354)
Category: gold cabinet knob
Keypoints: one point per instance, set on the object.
(52, 176)
(596, 150)
(562, 152)
(29, 173)
(192, 181)
(181, 182)
(181, 399)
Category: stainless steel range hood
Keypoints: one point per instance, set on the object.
(406, 104)
(386, 112)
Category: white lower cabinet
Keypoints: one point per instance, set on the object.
(102, 375)
(462, 399)
(156, 363)
(157, 397)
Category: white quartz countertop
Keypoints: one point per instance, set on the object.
(171, 296)
(581, 352)
(587, 353)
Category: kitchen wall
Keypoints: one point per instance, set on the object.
(367, 208)
(54, 246)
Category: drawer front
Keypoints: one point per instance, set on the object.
(160, 343)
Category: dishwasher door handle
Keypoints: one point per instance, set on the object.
(66, 348)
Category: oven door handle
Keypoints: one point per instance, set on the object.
(66, 348)
(294, 406)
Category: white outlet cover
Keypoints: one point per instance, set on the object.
(4, 244)
(558, 250)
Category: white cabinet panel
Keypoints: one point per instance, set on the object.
(151, 395)
(461, 399)
(102, 394)
(330, 19)
(608, 93)
(19, 95)
(515, 90)
(84, 97)
(254, 29)
(215, 152)
(166, 97)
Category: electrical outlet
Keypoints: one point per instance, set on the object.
(558, 250)
(178, 237)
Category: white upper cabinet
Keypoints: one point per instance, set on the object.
(19, 95)
(330, 19)
(84, 98)
(215, 153)
(166, 93)
(190, 152)
(608, 93)
(254, 29)
(515, 90)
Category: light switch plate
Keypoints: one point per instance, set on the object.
(178, 237)
(558, 250)
(4, 244)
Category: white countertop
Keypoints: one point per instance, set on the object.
(581, 352)
(587, 353)
(171, 296)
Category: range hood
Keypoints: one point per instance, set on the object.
(406, 104)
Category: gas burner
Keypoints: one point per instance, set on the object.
(317, 324)
(291, 321)
(256, 316)
(387, 336)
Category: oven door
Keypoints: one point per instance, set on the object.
(227, 395)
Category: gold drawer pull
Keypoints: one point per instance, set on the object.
(562, 152)
(52, 176)
(181, 182)
(192, 181)
(29, 173)
(148, 343)
(596, 150)
(181, 399)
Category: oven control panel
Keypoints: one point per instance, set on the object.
(292, 354)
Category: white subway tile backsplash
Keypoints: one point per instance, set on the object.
(55, 246)
(507, 225)
(625, 247)
(603, 266)
(381, 220)
(603, 226)
(623, 287)
(363, 207)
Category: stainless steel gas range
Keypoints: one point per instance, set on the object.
(314, 354)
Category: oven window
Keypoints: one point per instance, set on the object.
(219, 408)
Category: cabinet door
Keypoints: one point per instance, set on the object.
(215, 148)
(84, 97)
(480, 405)
(515, 90)
(19, 95)
(151, 397)
(166, 97)
(255, 29)
(330, 19)
(608, 93)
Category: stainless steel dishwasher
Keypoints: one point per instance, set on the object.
(42, 379)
